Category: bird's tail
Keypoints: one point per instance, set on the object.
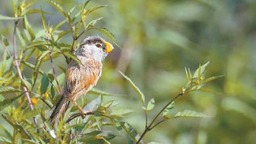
(59, 110)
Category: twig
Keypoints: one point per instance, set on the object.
(152, 125)
(17, 65)
(54, 72)
(77, 115)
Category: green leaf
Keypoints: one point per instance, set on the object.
(43, 20)
(188, 73)
(27, 35)
(36, 44)
(133, 135)
(94, 9)
(120, 112)
(63, 33)
(7, 102)
(32, 66)
(151, 105)
(190, 113)
(52, 90)
(5, 65)
(21, 37)
(8, 89)
(86, 3)
(9, 18)
(212, 78)
(200, 71)
(137, 90)
(93, 22)
(26, 83)
(99, 92)
(5, 140)
(58, 8)
(166, 114)
(44, 84)
(72, 56)
(33, 11)
(108, 34)
(4, 40)
(7, 132)
(59, 25)
(28, 28)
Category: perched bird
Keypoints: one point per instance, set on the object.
(81, 77)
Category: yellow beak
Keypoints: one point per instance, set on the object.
(109, 47)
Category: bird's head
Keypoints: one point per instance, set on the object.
(95, 47)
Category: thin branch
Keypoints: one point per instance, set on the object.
(152, 125)
(54, 72)
(47, 103)
(157, 124)
(77, 115)
(146, 117)
(17, 65)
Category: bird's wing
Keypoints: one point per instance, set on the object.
(81, 78)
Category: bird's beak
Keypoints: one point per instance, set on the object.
(109, 47)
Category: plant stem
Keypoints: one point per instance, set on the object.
(151, 125)
(17, 65)
(54, 72)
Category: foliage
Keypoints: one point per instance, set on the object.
(157, 39)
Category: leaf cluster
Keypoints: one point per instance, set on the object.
(26, 99)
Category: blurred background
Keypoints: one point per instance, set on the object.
(157, 40)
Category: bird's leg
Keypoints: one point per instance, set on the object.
(79, 108)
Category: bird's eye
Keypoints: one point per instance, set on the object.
(98, 45)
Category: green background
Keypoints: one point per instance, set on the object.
(157, 39)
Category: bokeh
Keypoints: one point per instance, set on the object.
(156, 40)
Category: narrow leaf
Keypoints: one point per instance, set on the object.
(151, 104)
(166, 114)
(134, 136)
(58, 8)
(8, 89)
(26, 83)
(212, 78)
(44, 84)
(108, 34)
(59, 25)
(137, 90)
(63, 33)
(9, 18)
(86, 3)
(28, 28)
(94, 9)
(99, 92)
(4, 40)
(21, 37)
(43, 20)
(32, 66)
(93, 22)
(5, 140)
(7, 102)
(200, 71)
(72, 56)
(190, 113)
(52, 90)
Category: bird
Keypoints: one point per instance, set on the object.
(81, 76)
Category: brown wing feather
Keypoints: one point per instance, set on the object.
(82, 79)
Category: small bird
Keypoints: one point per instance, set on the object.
(81, 77)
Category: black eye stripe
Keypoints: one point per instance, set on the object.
(99, 45)
(97, 41)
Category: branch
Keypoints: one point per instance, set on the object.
(54, 72)
(77, 115)
(152, 123)
(17, 65)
